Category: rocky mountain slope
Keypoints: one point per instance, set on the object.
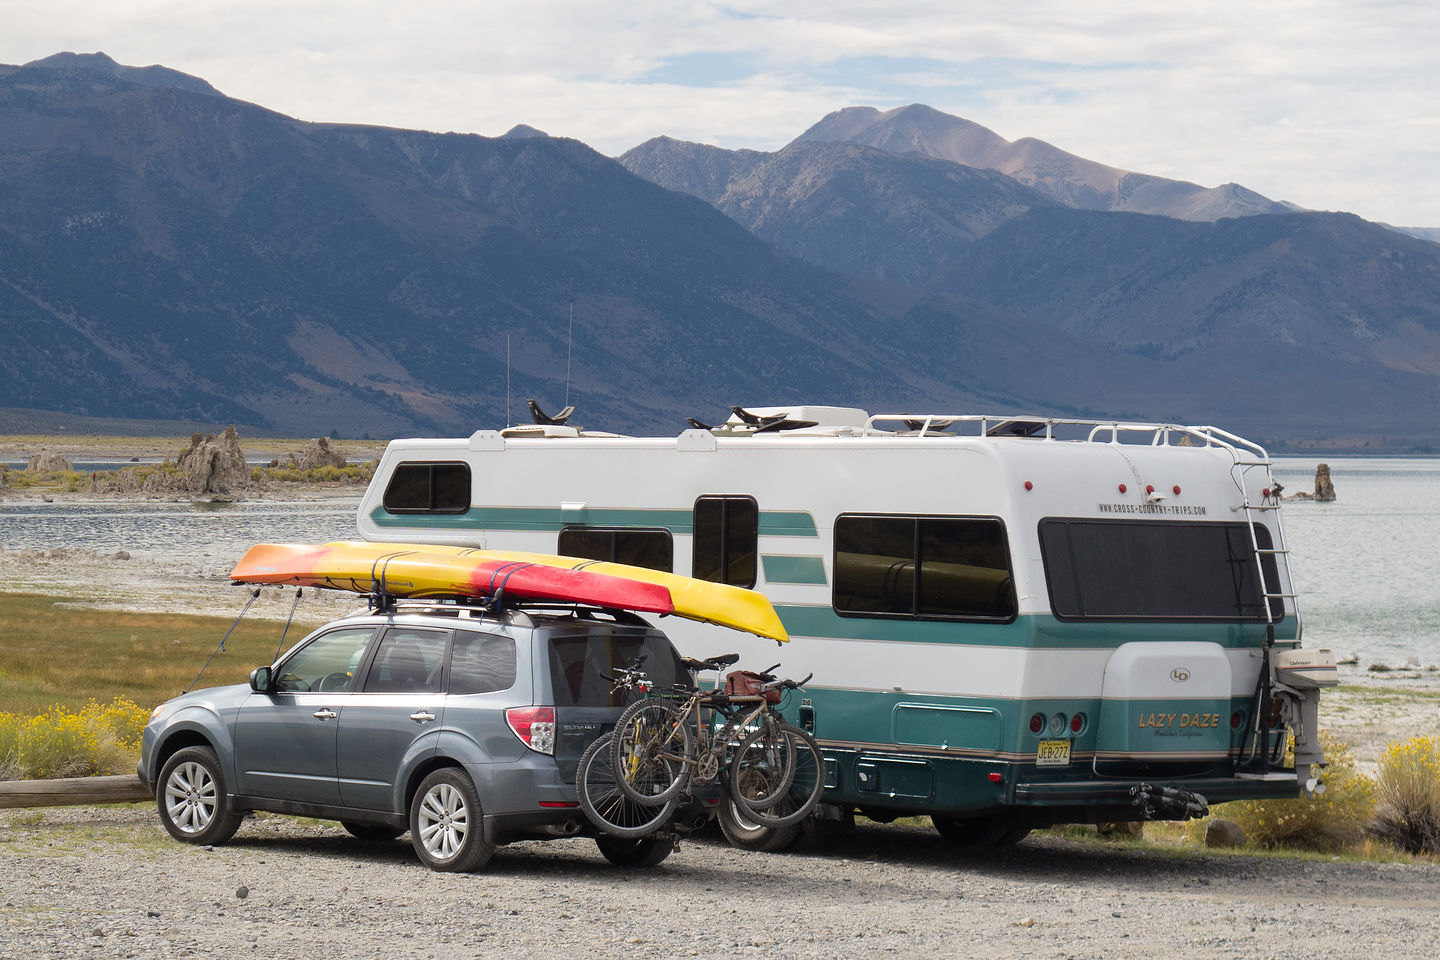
(1064, 177)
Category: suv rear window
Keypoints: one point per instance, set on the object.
(580, 662)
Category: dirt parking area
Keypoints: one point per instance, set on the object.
(108, 882)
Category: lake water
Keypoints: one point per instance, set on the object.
(1367, 564)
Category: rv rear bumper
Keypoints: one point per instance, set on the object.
(1123, 792)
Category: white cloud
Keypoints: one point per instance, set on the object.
(1328, 103)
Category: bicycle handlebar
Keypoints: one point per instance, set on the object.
(788, 684)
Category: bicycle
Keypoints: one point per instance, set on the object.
(597, 788)
(775, 774)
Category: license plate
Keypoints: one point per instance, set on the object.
(1053, 753)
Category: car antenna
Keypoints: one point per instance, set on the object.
(569, 350)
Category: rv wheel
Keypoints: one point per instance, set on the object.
(980, 831)
(748, 835)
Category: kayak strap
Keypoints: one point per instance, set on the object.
(221, 646)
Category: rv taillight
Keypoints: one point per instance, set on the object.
(535, 726)
(1037, 723)
(1077, 722)
(1237, 718)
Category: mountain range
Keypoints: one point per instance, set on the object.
(169, 253)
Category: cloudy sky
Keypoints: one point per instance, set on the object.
(1332, 104)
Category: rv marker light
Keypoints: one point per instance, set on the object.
(1176, 488)
(1149, 488)
(1029, 485)
(1237, 718)
(1122, 488)
(997, 778)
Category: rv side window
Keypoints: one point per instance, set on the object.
(429, 488)
(1154, 570)
(639, 548)
(963, 564)
(727, 531)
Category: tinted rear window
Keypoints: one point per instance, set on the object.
(1154, 570)
(580, 662)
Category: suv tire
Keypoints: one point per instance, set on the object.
(191, 797)
(447, 827)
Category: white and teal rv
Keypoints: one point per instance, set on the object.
(1011, 622)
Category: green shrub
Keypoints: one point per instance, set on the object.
(1408, 783)
(1331, 821)
(355, 473)
(92, 741)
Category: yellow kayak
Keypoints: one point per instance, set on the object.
(433, 570)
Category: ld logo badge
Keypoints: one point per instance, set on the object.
(1179, 674)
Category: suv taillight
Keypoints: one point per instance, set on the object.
(535, 726)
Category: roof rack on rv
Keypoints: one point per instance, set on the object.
(1055, 428)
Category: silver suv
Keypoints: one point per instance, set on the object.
(463, 727)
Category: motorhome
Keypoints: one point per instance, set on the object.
(1011, 622)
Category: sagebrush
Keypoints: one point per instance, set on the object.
(1407, 784)
(1330, 821)
(95, 740)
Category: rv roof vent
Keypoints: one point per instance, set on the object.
(1017, 428)
(774, 419)
(927, 427)
(529, 430)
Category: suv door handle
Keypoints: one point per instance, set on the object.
(325, 713)
(422, 716)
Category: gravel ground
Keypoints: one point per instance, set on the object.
(108, 882)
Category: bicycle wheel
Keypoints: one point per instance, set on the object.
(604, 803)
(651, 742)
(760, 766)
(763, 767)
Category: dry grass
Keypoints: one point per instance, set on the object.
(53, 654)
(86, 446)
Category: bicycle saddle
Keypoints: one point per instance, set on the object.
(713, 663)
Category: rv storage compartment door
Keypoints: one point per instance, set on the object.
(1165, 701)
(894, 777)
(969, 728)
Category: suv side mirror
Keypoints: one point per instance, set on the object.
(260, 680)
